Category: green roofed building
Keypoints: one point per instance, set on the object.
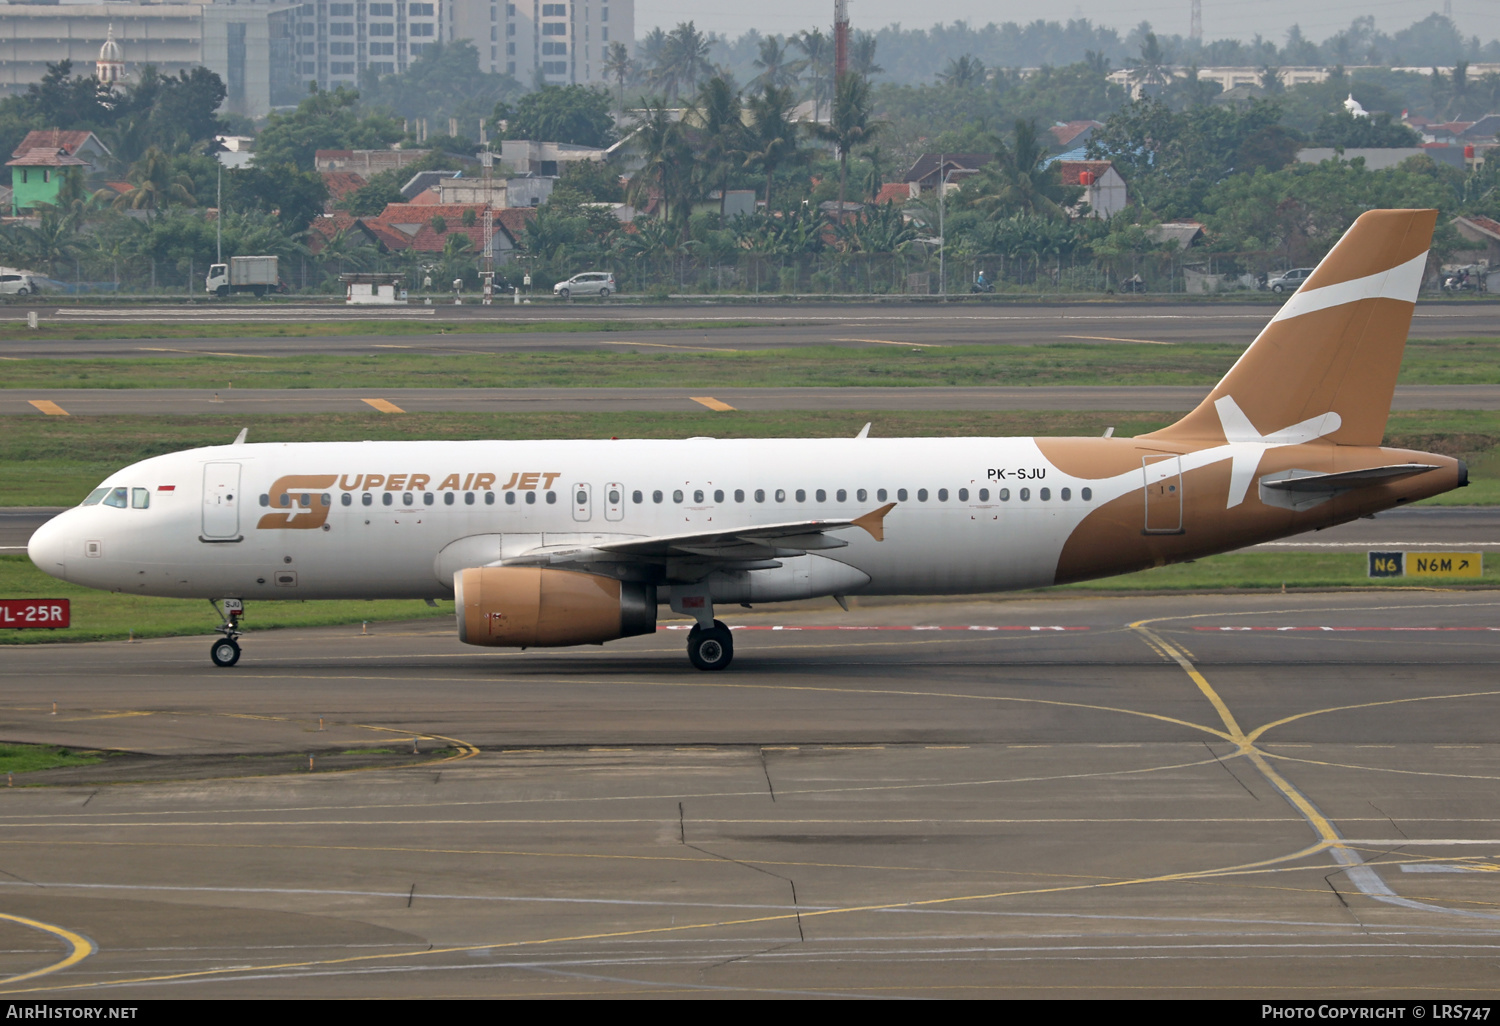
(37, 176)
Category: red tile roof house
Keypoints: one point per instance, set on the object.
(414, 222)
(1483, 235)
(339, 185)
(83, 144)
(924, 174)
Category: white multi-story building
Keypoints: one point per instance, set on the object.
(269, 51)
(556, 43)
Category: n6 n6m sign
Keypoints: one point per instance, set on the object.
(17, 613)
(1426, 564)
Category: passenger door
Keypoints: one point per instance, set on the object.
(221, 502)
(1163, 481)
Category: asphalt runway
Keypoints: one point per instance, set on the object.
(1199, 796)
(756, 326)
(232, 402)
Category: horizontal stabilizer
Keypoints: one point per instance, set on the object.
(1303, 489)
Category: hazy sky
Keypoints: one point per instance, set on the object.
(1221, 18)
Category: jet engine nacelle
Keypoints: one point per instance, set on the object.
(524, 606)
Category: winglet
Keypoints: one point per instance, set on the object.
(864, 432)
(874, 521)
(239, 439)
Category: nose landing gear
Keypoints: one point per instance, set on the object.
(226, 650)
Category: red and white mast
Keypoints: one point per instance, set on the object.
(840, 38)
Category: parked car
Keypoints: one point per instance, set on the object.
(1288, 281)
(18, 285)
(589, 283)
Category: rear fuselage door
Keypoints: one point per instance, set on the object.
(221, 501)
(1163, 480)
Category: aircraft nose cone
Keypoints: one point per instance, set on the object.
(48, 547)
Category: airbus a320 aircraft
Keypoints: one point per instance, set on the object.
(578, 542)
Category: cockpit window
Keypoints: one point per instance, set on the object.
(117, 497)
(94, 497)
(140, 498)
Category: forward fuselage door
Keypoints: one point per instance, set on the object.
(1163, 480)
(614, 501)
(221, 501)
(583, 503)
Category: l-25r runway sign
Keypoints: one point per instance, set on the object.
(50, 613)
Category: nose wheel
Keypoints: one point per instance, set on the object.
(225, 652)
(710, 648)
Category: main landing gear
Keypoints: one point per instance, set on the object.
(710, 648)
(226, 650)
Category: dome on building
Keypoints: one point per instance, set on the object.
(110, 68)
(1353, 107)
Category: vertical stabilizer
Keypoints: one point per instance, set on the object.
(1331, 354)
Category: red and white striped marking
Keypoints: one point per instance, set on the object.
(1338, 629)
(894, 627)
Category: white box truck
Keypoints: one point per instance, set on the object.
(255, 274)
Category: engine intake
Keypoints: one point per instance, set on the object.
(525, 607)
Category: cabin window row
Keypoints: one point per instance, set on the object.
(307, 499)
(820, 495)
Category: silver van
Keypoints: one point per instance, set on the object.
(589, 283)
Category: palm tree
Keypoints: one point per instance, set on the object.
(1021, 178)
(849, 125)
(618, 66)
(53, 240)
(773, 132)
(817, 60)
(721, 124)
(962, 72)
(862, 55)
(682, 62)
(1152, 71)
(153, 185)
(775, 69)
(667, 163)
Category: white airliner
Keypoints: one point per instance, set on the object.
(578, 542)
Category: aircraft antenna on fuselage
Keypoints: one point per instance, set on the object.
(239, 439)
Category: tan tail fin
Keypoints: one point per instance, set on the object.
(1326, 365)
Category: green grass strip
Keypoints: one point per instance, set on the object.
(30, 758)
(1452, 362)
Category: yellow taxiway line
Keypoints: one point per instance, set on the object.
(711, 402)
(49, 407)
(79, 947)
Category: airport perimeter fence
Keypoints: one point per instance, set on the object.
(924, 274)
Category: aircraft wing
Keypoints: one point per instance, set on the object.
(743, 547)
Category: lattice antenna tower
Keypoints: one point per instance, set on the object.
(1448, 9)
(487, 254)
(841, 37)
(1195, 23)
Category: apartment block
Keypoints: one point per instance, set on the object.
(552, 43)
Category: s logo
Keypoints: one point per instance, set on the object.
(301, 502)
